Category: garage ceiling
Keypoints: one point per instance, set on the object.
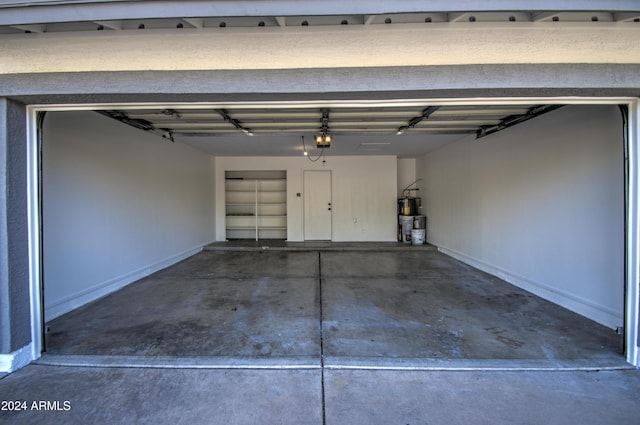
(405, 131)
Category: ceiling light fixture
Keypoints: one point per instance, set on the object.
(320, 155)
(323, 140)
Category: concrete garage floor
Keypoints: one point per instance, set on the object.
(308, 335)
(376, 307)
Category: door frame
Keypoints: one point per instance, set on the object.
(632, 219)
(304, 209)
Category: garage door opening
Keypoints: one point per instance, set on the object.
(120, 204)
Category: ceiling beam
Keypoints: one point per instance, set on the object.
(368, 19)
(194, 22)
(626, 17)
(112, 25)
(35, 28)
(459, 17)
(545, 16)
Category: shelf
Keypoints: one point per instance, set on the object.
(252, 228)
(253, 180)
(254, 215)
(256, 202)
(254, 191)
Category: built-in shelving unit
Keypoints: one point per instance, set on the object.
(256, 204)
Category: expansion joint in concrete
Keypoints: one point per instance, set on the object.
(324, 413)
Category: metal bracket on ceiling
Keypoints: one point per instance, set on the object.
(138, 123)
(225, 116)
(426, 112)
(324, 128)
(171, 112)
(323, 140)
(124, 118)
(512, 120)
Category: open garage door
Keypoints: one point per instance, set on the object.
(540, 204)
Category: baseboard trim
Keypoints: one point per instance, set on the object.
(16, 360)
(594, 311)
(81, 298)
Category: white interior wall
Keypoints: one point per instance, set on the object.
(540, 205)
(406, 173)
(118, 204)
(363, 194)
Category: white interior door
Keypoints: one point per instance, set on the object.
(317, 205)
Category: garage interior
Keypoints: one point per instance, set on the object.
(173, 253)
(524, 258)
